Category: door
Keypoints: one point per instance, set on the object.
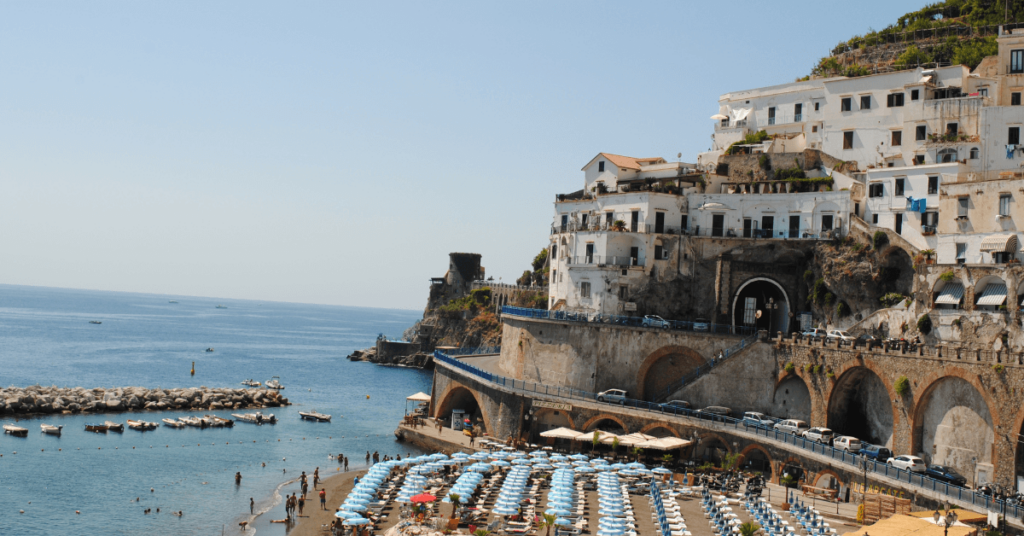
(634, 253)
(590, 253)
(826, 223)
(767, 226)
(565, 222)
(717, 224)
(659, 222)
(748, 226)
(794, 226)
(899, 223)
(634, 221)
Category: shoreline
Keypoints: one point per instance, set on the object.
(338, 486)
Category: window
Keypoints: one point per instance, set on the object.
(816, 106)
(919, 159)
(609, 218)
(865, 102)
(1013, 137)
(600, 166)
(771, 115)
(684, 222)
(929, 220)
(657, 252)
(623, 292)
(554, 251)
(848, 139)
(875, 189)
(945, 156)
(933, 184)
(874, 219)
(725, 122)
(1004, 205)
(952, 129)
(585, 289)
(1016, 61)
(1015, 98)
(915, 94)
(826, 223)
(983, 91)
(922, 132)
(559, 278)
(974, 153)
(814, 128)
(894, 100)
(584, 218)
(897, 138)
(554, 276)
(961, 211)
(900, 185)
(846, 104)
(961, 252)
(798, 112)
(749, 311)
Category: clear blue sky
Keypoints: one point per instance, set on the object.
(335, 152)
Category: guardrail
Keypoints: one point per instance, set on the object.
(634, 321)
(856, 460)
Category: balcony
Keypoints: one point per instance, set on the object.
(642, 228)
(606, 260)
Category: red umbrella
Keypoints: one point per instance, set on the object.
(423, 498)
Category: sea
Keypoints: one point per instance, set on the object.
(88, 483)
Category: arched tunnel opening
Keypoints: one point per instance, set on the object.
(761, 305)
(860, 407)
(459, 407)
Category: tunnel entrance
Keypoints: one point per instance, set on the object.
(953, 427)
(764, 296)
(792, 399)
(860, 407)
(458, 406)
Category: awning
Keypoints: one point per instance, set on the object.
(713, 206)
(631, 440)
(419, 397)
(951, 294)
(994, 294)
(665, 443)
(719, 117)
(561, 433)
(1007, 243)
(589, 436)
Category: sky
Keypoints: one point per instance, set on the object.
(336, 152)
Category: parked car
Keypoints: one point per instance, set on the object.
(866, 340)
(819, 434)
(814, 333)
(701, 325)
(847, 443)
(612, 396)
(792, 426)
(654, 321)
(945, 473)
(875, 452)
(714, 413)
(908, 463)
(675, 405)
(758, 419)
(840, 335)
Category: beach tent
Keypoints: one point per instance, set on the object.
(601, 437)
(630, 440)
(665, 443)
(417, 398)
(561, 433)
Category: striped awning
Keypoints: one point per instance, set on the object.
(951, 294)
(994, 294)
(1007, 243)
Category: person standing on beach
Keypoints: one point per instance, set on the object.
(323, 499)
(367, 457)
(302, 503)
(346, 463)
(316, 477)
(252, 506)
(376, 457)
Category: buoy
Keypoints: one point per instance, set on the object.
(193, 368)
(367, 397)
(77, 512)
(21, 511)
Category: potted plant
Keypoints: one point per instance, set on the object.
(618, 225)
(928, 254)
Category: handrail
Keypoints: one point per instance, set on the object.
(706, 367)
(635, 321)
(858, 461)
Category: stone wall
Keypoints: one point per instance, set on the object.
(500, 413)
(743, 167)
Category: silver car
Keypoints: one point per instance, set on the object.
(612, 396)
(654, 321)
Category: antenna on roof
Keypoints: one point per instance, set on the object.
(679, 157)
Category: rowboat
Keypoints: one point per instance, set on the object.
(141, 426)
(193, 421)
(15, 430)
(96, 427)
(173, 423)
(256, 418)
(51, 429)
(275, 383)
(216, 421)
(314, 416)
(114, 426)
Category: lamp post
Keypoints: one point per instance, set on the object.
(946, 521)
(771, 306)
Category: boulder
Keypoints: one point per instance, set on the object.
(134, 402)
(179, 402)
(74, 407)
(114, 404)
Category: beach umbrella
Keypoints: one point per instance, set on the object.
(423, 498)
(557, 512)
(562, 521)
(635, 465)
(355, 507)
(356, 521)
(662, 471)
(500, 463)
(617, 466)
(601, 468)
(558, 458)
(517, 454)
(544, 466)
(505, 511)
(520, 461)
(356, 500)
(599, 461)
(345, 514)
(480, 467)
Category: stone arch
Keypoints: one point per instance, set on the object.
(746, 455)
(954, 422)
(761, 289)
(896, 273)
(792, 398)
(560, 418)
(663, 367)
(854, 401)
(709, 441)
(603, 417)
(656, 425)
(457, 394)
(937, 289)
(979, 289)
(794, 467)
(828, 473)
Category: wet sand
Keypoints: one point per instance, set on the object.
(338, 487)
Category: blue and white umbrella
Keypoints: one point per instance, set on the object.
(505, 511)
(356, 521)
(345, 514)
(558, 512)
(500, 463)
(562, 521)
(661, 471)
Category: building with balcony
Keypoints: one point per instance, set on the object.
(981, 223)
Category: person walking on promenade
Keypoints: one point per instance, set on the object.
(323, 499)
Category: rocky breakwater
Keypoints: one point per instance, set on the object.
(67, 400)
(395, 359)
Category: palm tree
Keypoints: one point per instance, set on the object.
(637, 451)
(454, 498)
(595, 440)
(548, 522)
(749, 528)
(615, 446)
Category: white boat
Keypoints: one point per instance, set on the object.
(141, 426)
(15, 430)
(51, 429)
(216, 421)
(275, 383)
(173, 423)
(314, 416)
(114, 426)
(251, 383)
(256, 418)
(193, 421)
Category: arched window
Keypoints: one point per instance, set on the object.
(946, 156)
(974, 153)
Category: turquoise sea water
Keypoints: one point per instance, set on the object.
(46, 338)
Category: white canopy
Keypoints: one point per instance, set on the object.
(951, 294)
(665, 443)
(419, 397)
(631, 440)
(719, 117)
(1007, 243)
(739, 114)
(589, 436)
(994, 294)
(561, 433)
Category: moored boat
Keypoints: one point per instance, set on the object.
(51, 429)
(173, 423)
(275, 383)
(256, 418)
(114, 426)
(193, 421)
(15, 430)
(251, 383)
(314, 416)
(216, 421)
(141, 426)
(95, 322)
(96, 427)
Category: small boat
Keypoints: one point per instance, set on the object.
(15, 430)
(95, 322)
(219, 422)
(51, 429)
(251, 383)
(172, 301)
(275, 383)
(210, 349)
(314, 416)
(193, 421)
(141, 426)
(256, 418)
(114, 426)
(173, 423)
(222, 306)
(96, 427)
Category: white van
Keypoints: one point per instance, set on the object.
(792, 426)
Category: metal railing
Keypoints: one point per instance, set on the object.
(610, 260)
(707, 367)
(635, 321)
(858, 461)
